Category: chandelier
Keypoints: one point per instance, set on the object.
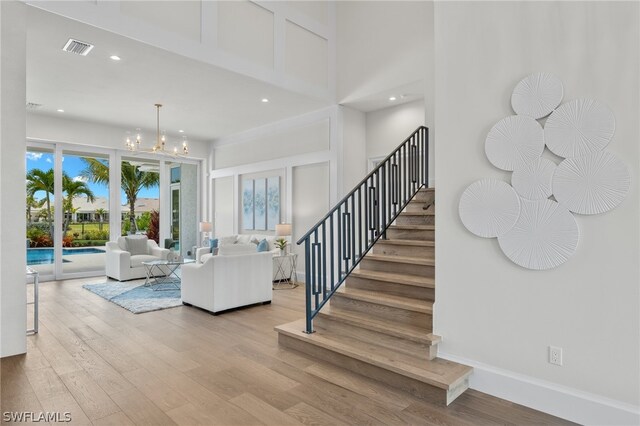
(159, 147)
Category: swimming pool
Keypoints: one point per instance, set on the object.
(41, 256)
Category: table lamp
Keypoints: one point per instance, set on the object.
(205, 228)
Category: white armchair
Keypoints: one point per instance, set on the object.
(226, 282)
(122, 265)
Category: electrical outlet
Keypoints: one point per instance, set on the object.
(555, 355)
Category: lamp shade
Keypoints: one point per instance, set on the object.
(283, 229)
(206, 227)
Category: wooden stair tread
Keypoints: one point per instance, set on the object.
(414, 227)
(413, 280)
(390, 300)
(438, 372)
(395, 329)
(401, 259)
(430, 189)
(402, 242)
(420, 213)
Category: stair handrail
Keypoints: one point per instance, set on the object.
(386, 190)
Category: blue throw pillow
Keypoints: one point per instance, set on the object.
(263, 245)
(213, 244)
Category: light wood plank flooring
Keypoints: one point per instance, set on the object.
(107, 366)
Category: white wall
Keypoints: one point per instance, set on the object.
(488, 309)
(311, 137)
(13, 314)
(354, 148)
(288, 45)
(388, 127)
(310, 202)
(223, 223)
(383, 44)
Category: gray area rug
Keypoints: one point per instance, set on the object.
(135, 297)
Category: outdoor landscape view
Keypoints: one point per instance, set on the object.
(85, 204)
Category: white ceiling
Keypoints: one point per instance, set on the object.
(405, 93)
(206, 101)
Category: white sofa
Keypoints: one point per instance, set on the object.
(122, 266)
(242, 240)
(228, 281)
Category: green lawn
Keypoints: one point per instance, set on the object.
(77, 227)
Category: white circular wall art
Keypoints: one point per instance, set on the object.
(591, 184)
(489, 208)
(533, 180)
(579, 127)
(537, 95)
(534, 231)
(514, 141)
(545, 236)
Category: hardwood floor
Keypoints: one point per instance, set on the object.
(107, 366)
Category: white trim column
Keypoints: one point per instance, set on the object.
(13, 97)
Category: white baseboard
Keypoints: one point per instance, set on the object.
(564, 402)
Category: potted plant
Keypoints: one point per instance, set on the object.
(281, 243)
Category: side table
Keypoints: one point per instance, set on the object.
(36, 282)
(285, 271)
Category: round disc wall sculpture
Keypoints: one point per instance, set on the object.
(534, 231)
(537, 95)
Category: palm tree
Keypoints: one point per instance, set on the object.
(39, 180)
(32, 203)
(100, 213)
(132, 181)
(73, 189)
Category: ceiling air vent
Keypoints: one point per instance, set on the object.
(78, 47)
(33, 106)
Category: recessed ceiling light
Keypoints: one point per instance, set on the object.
(60, 110)
(265, 100)
(181, 131)
(114, 57)
(392, 98)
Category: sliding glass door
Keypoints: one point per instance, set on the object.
(85, 212)
(79, 198)
(40, 205)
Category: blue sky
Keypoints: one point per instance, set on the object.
(73, 166)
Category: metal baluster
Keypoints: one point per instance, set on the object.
(366, 214)
(324, 260)
(339, 215)
(317, 252)
(426, 156)
(333, 278)
(307, 277)
(352, 230)
(360, 222)
(383, 203)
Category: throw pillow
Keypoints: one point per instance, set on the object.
(136, 245)
(213, 244)
(223, 241)
(255, 241)
(263, 246)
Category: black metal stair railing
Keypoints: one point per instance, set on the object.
(337, 243)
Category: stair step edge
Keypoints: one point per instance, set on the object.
(414, 227)
(401, 259)
(397, 330)
(400, 242)
(392, 301)
(413, 280)
(379, 359)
